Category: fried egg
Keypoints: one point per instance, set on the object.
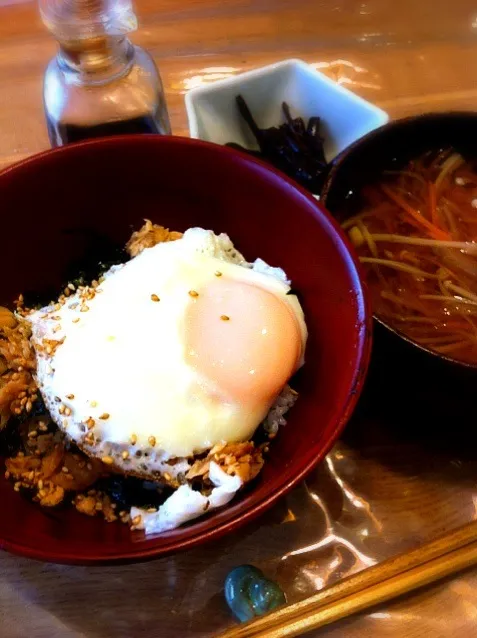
(183, 347)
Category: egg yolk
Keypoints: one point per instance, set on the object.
(244, 338)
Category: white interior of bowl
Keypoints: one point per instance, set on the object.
(214, 117)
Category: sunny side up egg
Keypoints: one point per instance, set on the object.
(181, 348)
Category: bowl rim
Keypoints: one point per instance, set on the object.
(170, 545)
(333, 174)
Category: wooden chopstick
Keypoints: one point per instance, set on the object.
(448, 554)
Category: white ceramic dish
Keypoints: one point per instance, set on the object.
(213, 114)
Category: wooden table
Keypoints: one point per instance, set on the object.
(378, 492)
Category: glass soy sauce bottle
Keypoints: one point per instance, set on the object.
(99, 83)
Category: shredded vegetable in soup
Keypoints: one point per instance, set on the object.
(416, 235)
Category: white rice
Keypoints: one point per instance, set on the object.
(276, 417)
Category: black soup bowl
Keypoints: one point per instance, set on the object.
(401, 368)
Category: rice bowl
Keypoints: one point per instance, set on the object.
(266, 215)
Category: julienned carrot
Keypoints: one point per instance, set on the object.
(433, 231)
(433, 203)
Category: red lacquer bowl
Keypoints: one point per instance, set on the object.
(71, 205)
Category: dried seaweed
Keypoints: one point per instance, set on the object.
(293, 147)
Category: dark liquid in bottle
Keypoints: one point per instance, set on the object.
(60, 133)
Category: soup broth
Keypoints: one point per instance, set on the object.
(416, 235)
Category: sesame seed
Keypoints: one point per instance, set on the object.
(133, 439)
(67, 411)
(89, 466)
(108, 460)
(40, 484)
(218, 273)
(104, 416)
(32, 434)
(76, 320)
(93, 404)
(65, 469)
(84, 308)
(193, 293)
(70, 396)
(28, 406)
(42, 426)
(125, 454)
(155, 298)
(167, 476)
(152, 441)
(71, 286)
(7, 474)
(151, 510)
(225, 318)
(61, 409)
(136, 520)
(90, 423)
